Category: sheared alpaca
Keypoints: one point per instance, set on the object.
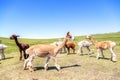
(73, 38)
(69, 45)
(103, 45)
(85, 44)
(42, 50)
(57, 44)
(2, 47)
(21, 46)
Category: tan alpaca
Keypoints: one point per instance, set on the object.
(42, 50)
(103, 45)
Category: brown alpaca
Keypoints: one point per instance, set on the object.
(44, 50)
(69, 45)
(103, 45)
(21, 46)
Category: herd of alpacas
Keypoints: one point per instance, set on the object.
(62, 46)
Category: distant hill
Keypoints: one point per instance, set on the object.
(98, 37)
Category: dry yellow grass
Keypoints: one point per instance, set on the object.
(73, 66)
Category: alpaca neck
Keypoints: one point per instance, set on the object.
(16, 41)
(63, 44)
(93, 42)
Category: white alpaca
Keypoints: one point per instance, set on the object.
(82, 44)
(57, 44)
(73, 38)
(2, 47)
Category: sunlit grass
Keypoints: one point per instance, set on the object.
(74, 67)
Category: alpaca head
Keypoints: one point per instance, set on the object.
(89, 37)
(68, 36)
(14, 36)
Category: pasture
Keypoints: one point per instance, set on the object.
(73, 66)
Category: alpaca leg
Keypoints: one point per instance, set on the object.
(47, 61)
(89, 51)
(68, 50)
(30, 63)
(2, 54)
(98, 53)
(55, 60)
(73, 49)
(25, 55)
(25, 63)
(102, 54)
(80, 50)
(30, 66)
(64, 49)
(113, 56)
(60, 50)
(20, 55)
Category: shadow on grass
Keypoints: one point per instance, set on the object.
(101, 58)
(104, 58)
(85, 54)
(7, 58)
(92, 56)
(53, 67)
(71, 53)
(75, 65)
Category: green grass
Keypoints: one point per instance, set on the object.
(74, 67)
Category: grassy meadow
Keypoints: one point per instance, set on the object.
(73, 66)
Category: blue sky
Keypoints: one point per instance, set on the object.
(53, 18)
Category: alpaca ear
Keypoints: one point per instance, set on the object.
(68, 33)
(89, 36)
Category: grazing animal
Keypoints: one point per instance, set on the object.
(21, 46)
(103, 45)
(44, 50)
(69, 45)
(2, 47)
(85, 44)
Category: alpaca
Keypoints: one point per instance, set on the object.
(2, 47)
(57, 44)
(103, 45)
(44, 50)
(21, 46)
(69, 45)
(85, 44)
(73, 38)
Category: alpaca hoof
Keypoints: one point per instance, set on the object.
(25, 69)
(98, 58)
(46, 68)
(58, 68)
(80, 54)
(31, 69)
(113, 59)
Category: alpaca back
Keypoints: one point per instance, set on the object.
(84, 43)
(41, 50)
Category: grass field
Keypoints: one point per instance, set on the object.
(73, 66)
